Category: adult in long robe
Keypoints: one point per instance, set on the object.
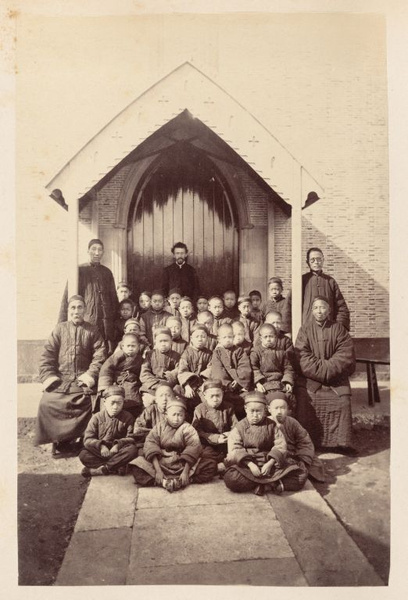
(316, 283)
(97, 287)
(325, 360)
(180, 274)
(69, 368)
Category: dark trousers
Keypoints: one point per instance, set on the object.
(237, 482)
(206, 470)
(93, 459)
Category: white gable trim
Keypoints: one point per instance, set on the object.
(185, 88)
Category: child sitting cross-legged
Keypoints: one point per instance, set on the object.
(213, 419)
(160, 365)
(108, 442)
(173, 453)
(231, 365)
(152, 414)
(123, 368)
(256, 459)
(300, 448)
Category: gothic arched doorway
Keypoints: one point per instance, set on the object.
(183, 199)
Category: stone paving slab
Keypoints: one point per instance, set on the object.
(212, 493)
(271, 572)
(96, 558)
(183, 535)
(110, 502)
(325, 552)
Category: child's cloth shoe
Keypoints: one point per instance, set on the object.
(103, 470)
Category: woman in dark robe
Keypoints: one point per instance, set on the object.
(69, 368)
(325, 360)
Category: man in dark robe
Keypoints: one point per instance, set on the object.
(180, 274)
(97, 287)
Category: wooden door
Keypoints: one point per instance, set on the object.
(184, 200)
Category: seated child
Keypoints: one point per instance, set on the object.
(300, 449)
(173, 301)
(251, 326)
(271, 365)
(256, 302)
(108, 442)
(177, 342)
(213, 419)
(256, 451)
(155, 316)
(202, 304)
(216, 308)
(159, 366)
(123, 368)
(277, 302)
(231, 365)
(123, 291)
(194, 367)
(283, 341)
(186, 310)
(145, 300)
(238, 329)
(230, 305)
(206, 318)
(126, 308)
(171, 453)
(152, 414)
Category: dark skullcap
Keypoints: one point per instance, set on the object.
(255, 397)
(114, 390)
(95, 241)
(276, 395)
(242, 299)
(176, 401)
(199, 328)
(158, 330)
(175, 290)
(277, 280)
(210, 384)
(76, 297)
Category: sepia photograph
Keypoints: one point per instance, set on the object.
(202, 254)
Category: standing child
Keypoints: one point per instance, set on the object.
(230, 305)
(177, 342)
(278, 302)
(283, 341)
(271, 365)
(154, 317)
(123, 368)
(256, 302)
(173, 300)
(300, 448)
(152, 414)
(238, 329)
(195, 367)
(231, 365)
(216, 307)
(145, 300)
(256, 451)
(108, 442)
(123, 291)
(213, 419)
(251, 326)
(206, 318)
(202, 304)
(173, 453)
(126, 308)
(186, 310)
(159, 366)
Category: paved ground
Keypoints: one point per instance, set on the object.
(208, 535)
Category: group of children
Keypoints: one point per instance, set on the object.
(192, 391)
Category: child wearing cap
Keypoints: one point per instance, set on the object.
(300, 448)
(251, 326)
(173, 453)
(278, 302)
(207, 319)
(160, 365)
(152, 414)
(173, 301)
(178, 344)
(256, 306)
(230, 305)
(188, 318)
(213, 419)
(108, 442)
(123, 368)
(238, 329)
(195, 367)
(271, 365)
(231, 365)
(154, 317)
(256, 451)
